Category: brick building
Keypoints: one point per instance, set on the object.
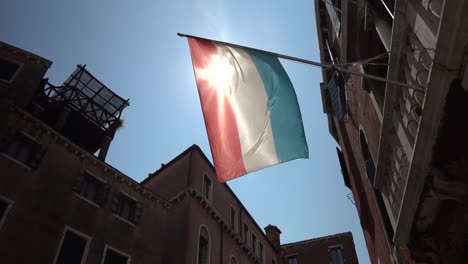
(338, 248)
(60, 202)
(209, 218)
(402, 151)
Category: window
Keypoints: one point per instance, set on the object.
(245, 234)
(24, 149)
(233, 219)
(368, 160)
(254, 243)
(203, 246)
(73, 248)
(127, 208)
(112, 256)
(292, 259)
(207, 187)
(91, 188)
(5, 205)
(336, 255)
(261, 252)
(8, 70)
(334, 16)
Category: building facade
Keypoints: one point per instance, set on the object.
(338, 248)
(215, 227)
(401, 149)
(60, 202)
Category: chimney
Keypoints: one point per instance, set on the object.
(273, 234)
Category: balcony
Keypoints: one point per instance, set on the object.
(413, 45)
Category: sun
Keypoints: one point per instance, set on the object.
(220, 73)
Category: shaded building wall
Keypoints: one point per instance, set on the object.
(170, 179)
(362, 116)
(44, 204)
(318, 250)
(28, 78)
(223, 200)
(192, 210)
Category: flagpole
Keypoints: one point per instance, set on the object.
(313, 63)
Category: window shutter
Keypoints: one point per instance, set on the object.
(78, 184)
(115, 205)
(102, 193)
(138, 213)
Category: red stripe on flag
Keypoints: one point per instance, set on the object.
(220, 118)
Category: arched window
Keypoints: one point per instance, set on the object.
(203, 245)
(366, 155)
(233, 260)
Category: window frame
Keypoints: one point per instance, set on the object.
(363, 142)
(106, 247)
(198, 242)
(261, 252)
(335, 247)
(254, 243)
(5, 214)
(117, 215)
(288, 257)
(236, 219)
(24, 137)
(85, 198)
(78, 233)
(13, 77)
(246, 235)
(210, 190)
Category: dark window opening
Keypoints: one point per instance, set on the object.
(292, 259)
(23, 149)
(127, 208)
(254, 244)
(337, 255)
(91, 188)
(113, 257)
(233, 219)
(7, 70)
(368, 160)
(379, 68)
(385, 216)
(261, 252)
(207, 186)
(246, 234)
(203, 250)
(72, 249)
(334, 13)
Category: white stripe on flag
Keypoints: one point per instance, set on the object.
(250, 102)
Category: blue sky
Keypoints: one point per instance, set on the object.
(132, 47)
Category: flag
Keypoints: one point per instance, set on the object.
(250, 108)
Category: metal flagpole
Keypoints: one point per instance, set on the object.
(314, 63)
